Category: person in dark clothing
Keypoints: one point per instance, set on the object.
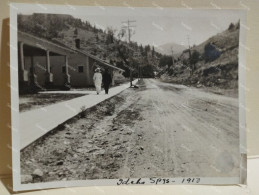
(107, 79)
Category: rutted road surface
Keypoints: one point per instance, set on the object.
(157, 130)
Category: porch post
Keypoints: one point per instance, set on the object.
(66, 64)
(47, 62)
(112, 75)
(67, 76)
(49, 76)
(23, 74)
(21, 55)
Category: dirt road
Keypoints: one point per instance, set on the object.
(157, 130)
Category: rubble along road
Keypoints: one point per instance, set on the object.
(157, 130)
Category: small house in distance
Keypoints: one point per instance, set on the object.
(45, 65)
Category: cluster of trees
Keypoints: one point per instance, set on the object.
(166, 60)
(110, 35)
(130, 56)
(233, 26)
(148, 50)
(141, 60)
(195, 57)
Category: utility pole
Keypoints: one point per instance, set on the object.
(127, 27)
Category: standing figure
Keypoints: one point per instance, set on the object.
(98, 80)
(107, 79)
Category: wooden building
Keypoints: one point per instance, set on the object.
(45, 65)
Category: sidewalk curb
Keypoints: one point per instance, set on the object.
(36, 123)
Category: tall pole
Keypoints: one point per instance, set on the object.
(128, 26)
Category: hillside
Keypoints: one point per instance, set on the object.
(213, 63)
(108, 45)
(167, 48)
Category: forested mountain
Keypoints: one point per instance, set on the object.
(171, 48)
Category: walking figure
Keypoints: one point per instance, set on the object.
(98, 80)
(107, 79)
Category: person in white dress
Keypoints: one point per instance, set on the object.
(98, 80)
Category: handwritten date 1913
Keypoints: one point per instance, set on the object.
(158, 181)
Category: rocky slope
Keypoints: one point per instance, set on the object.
(213, 63)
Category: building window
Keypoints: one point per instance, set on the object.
(63, 69)
(80, 69)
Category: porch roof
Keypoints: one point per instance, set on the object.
(42, 44)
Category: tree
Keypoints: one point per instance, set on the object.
(141, 49)
(147, 71)
(153, 51)
(165, 61)
(148, 47)
(110, 35)
(231, 26)
(194, 59)
(94, 29)
(126, 72)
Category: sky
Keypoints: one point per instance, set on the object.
(157, 26)
(160, 26)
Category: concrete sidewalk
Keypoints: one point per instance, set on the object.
(36, 123)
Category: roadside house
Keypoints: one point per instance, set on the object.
(45, 65)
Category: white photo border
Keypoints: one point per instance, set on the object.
(16, 8)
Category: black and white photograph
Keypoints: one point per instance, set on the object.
(126, 95)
